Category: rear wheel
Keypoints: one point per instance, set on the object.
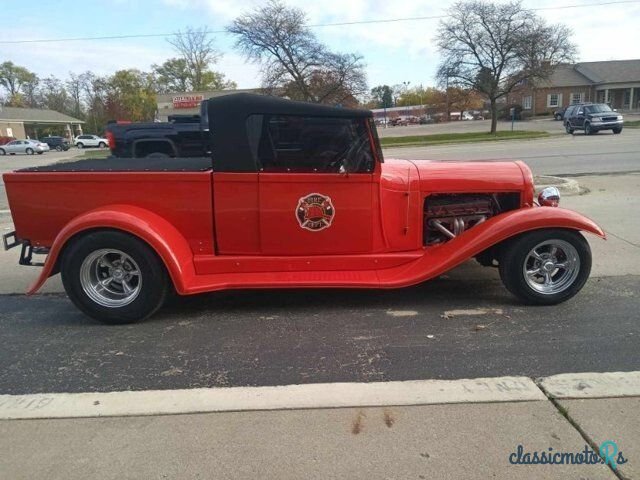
(546, 267)
(58, 148)
(2, 152)
(80, 145)
(114, 277)
(568, 128)
(29, 151)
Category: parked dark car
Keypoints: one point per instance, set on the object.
(558, 114)
(593, 117)
(56, 143)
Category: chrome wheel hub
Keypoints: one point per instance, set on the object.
(551, 266)
(110, 278)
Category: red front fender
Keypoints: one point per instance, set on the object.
(439, 259)
(161, 236)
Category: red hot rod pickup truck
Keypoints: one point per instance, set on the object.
(293, 195)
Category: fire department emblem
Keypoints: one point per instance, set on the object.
(315, 212)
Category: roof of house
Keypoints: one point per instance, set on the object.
(612, 71)
(35, 115)
(567, 76)
(593, 73)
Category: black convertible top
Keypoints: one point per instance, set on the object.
(228, 124)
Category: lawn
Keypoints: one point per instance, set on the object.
(459, 138)
(632, 123)
(97, 153)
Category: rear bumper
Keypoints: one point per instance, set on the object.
(10, 240)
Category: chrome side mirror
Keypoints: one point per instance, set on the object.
(549, 197)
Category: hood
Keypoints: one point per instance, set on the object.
(454, 177)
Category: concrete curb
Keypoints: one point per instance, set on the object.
(286, 397)
(591, 385)
(566, 186)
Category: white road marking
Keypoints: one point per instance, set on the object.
(592, 385)
(402, 313)
(327, 395)
(470, 312)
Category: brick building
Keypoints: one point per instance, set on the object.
(616, 82)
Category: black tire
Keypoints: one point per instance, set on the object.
(617, 130)
(2, 152)
(588, 130)
(515, 254)
(58, 148)
(568, 128)
(40, 153)
(102, 145)
(154, 279)
(29, 151)
(80, 145)
(558, 117)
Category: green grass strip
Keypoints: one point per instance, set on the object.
(459, 138)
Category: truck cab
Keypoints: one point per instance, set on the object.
(287, 195)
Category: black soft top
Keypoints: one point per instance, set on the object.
(228, 124)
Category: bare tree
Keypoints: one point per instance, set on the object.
(292, 59)
(491, 48)
(74, 89)
(197, 48)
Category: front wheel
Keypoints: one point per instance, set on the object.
(588, 129)
(114, 277)
(58, 148)
(80, 145)
(102, 145)
(546, 267)
(2, 152)
(617, 130)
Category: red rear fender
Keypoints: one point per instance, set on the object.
(161, 236)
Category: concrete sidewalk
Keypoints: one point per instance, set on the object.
(459, 440)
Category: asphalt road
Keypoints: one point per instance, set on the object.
(557, 155)
(284, 337)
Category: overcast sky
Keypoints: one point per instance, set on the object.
(395, 52)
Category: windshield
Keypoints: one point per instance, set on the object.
(599, 108)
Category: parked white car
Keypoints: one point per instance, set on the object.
(83, 141)
(28, 147)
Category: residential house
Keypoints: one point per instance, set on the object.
(616, 82)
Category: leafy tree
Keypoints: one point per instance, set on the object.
(293, 61)
(382, 95)
(173, 76)
(491, 48)
(461, 99)
(18, 81)
(130, 96)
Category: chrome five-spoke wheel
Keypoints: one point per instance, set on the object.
(551, 266)
(110, 277)
(546, 266)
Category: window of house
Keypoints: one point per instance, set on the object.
(526, 102)
(554, 99)
(577, 98)
(297, 144)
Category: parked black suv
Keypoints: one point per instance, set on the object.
(593, 117)
(56, 143)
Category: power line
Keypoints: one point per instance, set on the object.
(318, 25)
